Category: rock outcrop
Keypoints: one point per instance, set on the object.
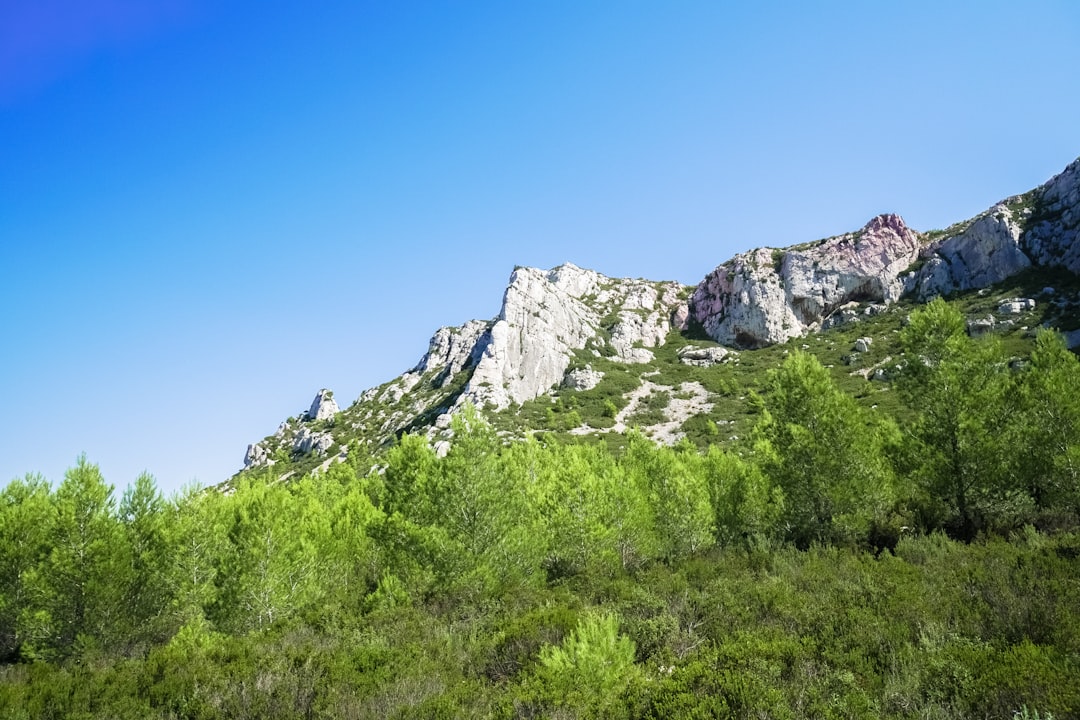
(768, 296)
(1037, 228)
(986, 252)
(297, 435)
(323, 407)
(547, 316)
(703, 356)
(1015, 306)
(452, 349)
(309, 441)
(582, 378)
(255, 455)
(1053, 221)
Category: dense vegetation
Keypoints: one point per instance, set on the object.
(838, 563)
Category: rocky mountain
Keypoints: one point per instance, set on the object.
(568, 330)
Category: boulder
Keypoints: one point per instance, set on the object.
(979, 327)
(1015, 306)
(582, 378)
(702, 356)
(255, 456)
(863, 344)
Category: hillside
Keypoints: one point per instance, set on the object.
(581, 355)
(803, 488)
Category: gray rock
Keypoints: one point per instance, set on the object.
(255, 456)
(768, 296)
(702, 356)
(680, 317)
(863, 344)
(547, 316)
(1052, 233)
(986, 252)
(843, 315)
(307, 441)
(1015, 306)
(452, 349)
(323, 406)
(582, 378)
(979, 327)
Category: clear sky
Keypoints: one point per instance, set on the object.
(210, 210)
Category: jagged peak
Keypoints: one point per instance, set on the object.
(323, 406)
(886, 222)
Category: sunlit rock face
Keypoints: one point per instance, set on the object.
(1052, 235)
(768, 295)
(548, 315)
(323, 407)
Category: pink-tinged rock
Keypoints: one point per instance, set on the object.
(767, 296)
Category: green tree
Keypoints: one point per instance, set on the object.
(196, 535)
(27, 517)
(746, 506)
(484, 498)
(350, 550)
(77, 596)
(1047, 425)
(143, 577)
(591, 669)
(959, 390)
(824, 452)
(410, 479)
(596, 520)
(271, 567)
(675, 489)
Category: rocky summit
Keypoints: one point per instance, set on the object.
(569, 329)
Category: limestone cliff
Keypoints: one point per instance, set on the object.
(547, 317)
(768, 295)
(553, 323)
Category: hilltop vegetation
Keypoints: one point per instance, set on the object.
(842, 548)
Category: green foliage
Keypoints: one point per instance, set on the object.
(591, 669)
(77, 597)
(596, 520)
(619, 579)
(746, 506)
(676, 492)
(1048, 437)
(960, 390)
(824, 453)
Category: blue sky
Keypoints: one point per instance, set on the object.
(208, 211)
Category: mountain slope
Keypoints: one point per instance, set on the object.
(575, 352)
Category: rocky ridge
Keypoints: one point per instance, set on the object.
(547, 319)
(553, 322)
(769, 295)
